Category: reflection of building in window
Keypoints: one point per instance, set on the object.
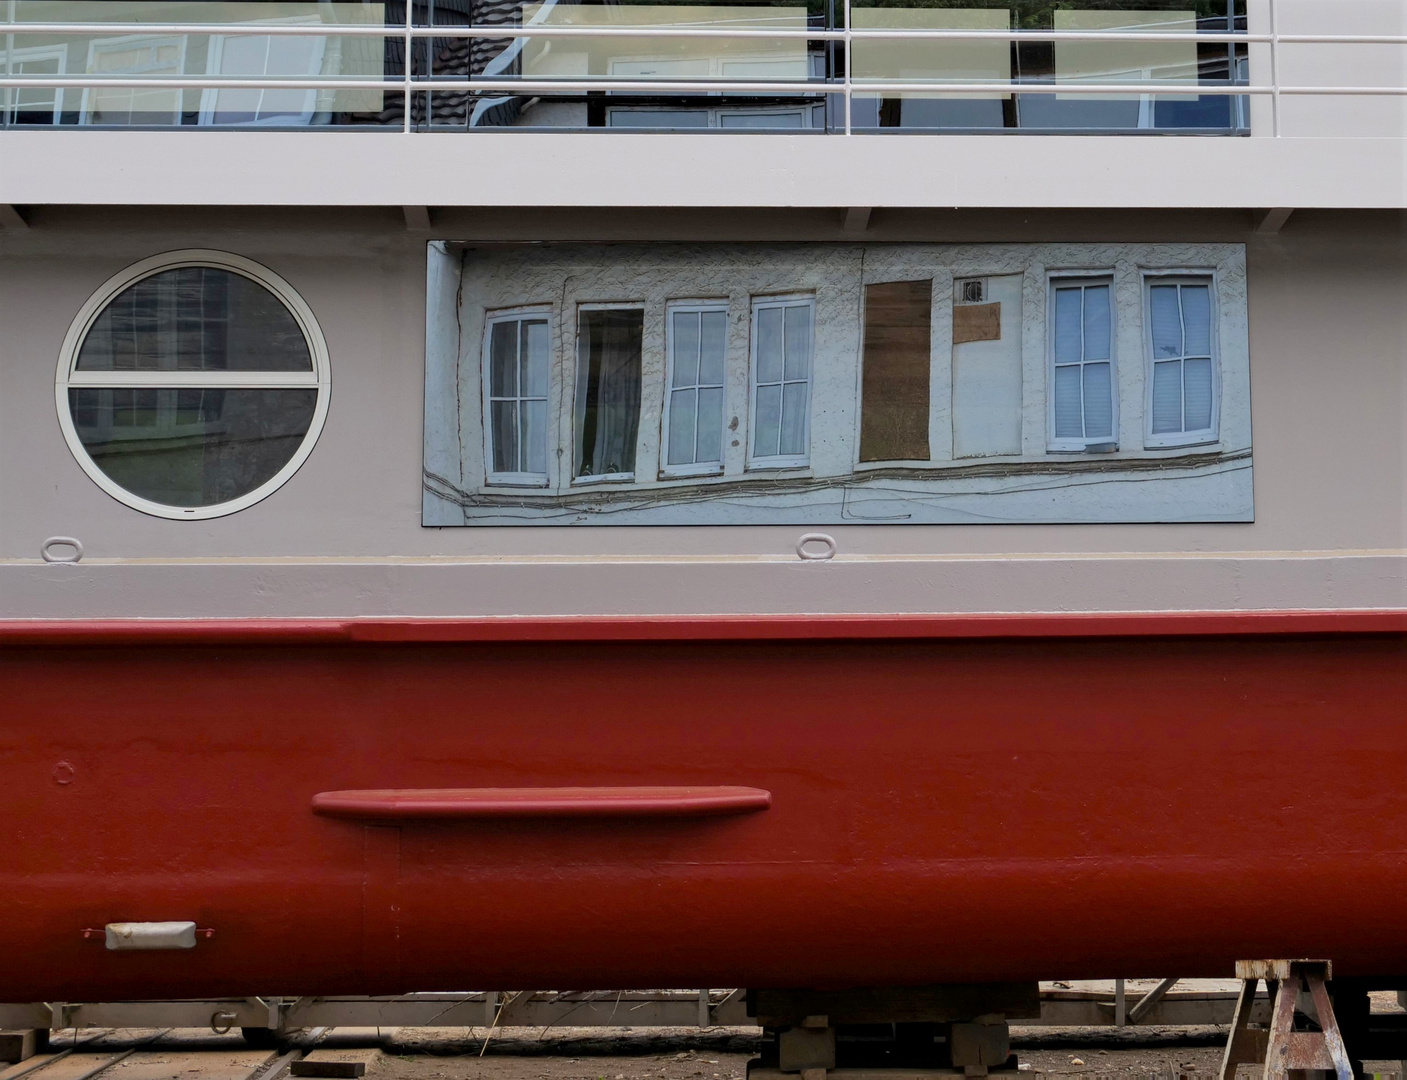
(877, 60)
(1082, 334)
(281, 57)
(137, 56)
(781, 380)
(724, 116)
(609, 372)
(1123, 62)
(894, 393)
(194, 389)
(1182, 387)
(516, 428)
(837, 383)
(987, 367)
(36, 104)
(693, 407)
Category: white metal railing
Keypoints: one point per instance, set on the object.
(844, 85)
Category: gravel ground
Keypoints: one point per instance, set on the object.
(687, 1053)
(722, 1054)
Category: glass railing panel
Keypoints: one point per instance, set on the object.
(1121, 62)
(917, 60)
(1094, 53)
(160, 41)
(749, 56)
(655, 65)
(566, 64)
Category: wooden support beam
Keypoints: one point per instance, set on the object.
(11, 218)
(1145, 1004)
(857, 219)
(1269, 222)
(16, 1046)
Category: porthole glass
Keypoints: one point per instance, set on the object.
(193, 384)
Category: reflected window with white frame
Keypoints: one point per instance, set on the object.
(285, 56)
(693, 407)
(1082, 409)
(782, 344)
(36, 104)
(516, 356)
(1182, 379)
(141, 56)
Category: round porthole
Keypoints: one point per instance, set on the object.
(193, 384)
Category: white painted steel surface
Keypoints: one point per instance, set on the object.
(343, 536)
(606, 169)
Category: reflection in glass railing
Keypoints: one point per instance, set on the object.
(1098, 51)
(775, 65)
(114, 44)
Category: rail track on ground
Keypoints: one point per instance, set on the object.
(190, 1054)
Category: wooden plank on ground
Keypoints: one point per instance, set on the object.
(328, 1067)
(343, 1064)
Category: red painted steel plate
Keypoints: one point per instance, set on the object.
(955, 799)
(588, 802)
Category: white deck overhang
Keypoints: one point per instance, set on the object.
(510, 169)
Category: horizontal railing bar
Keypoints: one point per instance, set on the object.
(540, 86)
(446, 83)
(664, 30)
(222, 29)
(354, 30)
(818, 34)
(1342, 39)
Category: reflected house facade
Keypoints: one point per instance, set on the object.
(802, 67)
(901, 383)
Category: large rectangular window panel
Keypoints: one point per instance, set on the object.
(809, 385)
(609, 370)
(781, 380)
(693, 408)
(1082, 363)
(1182, 383)
(516, 371)
(894, 391)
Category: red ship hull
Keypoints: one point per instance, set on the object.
(950, 800)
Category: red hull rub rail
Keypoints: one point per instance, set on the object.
(843, 627)
(461, 804)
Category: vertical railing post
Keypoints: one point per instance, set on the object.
(849, 64)
(409, 54)
(10, 67)
(1274, 73)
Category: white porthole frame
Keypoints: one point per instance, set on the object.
(319, 378)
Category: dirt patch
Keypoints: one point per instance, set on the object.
(722, 1054)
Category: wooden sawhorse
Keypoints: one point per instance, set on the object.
(1284, 1052)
